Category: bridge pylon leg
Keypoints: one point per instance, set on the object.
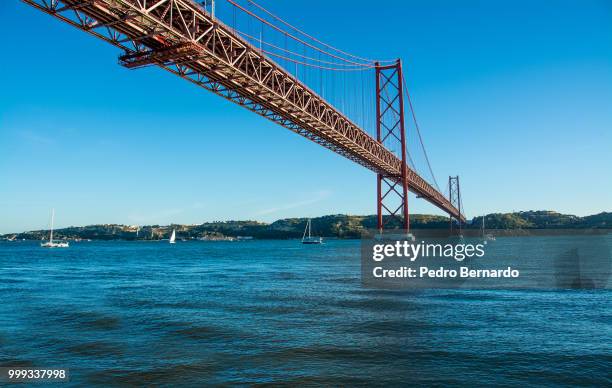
(392, 191)
(454, 197)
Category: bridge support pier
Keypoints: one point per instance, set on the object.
(392, 191)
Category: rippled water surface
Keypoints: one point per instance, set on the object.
(258, 312)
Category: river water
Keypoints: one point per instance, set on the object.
(278, 312)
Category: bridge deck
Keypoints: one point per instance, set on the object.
(181, 37)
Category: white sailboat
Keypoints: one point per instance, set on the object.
(310, 239)
(173, 237)
(51, 243)
(486, 236)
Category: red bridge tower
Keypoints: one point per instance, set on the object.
(392, 190)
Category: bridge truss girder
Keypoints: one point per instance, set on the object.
(224, 63)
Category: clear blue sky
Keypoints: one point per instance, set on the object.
(514, 96)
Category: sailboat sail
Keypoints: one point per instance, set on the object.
(486, 236)
(310, 239)
(173, 237)
(483, 226)
(52, 217)
(51, 243)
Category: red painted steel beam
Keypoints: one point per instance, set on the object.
(402, 130)
(176, 53)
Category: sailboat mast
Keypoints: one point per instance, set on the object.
(52, 217)
(304, 235)
(483, 229)
(309, 224)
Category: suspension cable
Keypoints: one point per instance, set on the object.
(312, 65)
(313, 38)
(416, 124)
(355, 67)
(292, 36)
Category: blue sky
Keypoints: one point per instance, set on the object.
(515, 97)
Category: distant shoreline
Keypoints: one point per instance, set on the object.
(338, 226)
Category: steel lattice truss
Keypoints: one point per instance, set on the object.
(182, 38)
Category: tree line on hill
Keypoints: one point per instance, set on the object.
(337, 226)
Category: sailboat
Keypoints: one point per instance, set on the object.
(310, 239)
(173, 236)
(51, 243)
(486, 236)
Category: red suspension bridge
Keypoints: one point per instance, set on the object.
(263, 63)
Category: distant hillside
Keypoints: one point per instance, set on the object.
(339, 225)
(542, 219)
